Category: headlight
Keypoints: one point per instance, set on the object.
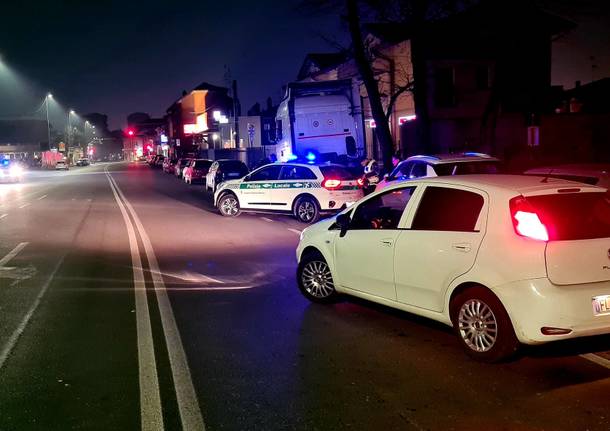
(16, 171)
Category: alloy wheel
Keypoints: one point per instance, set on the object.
(317, 279)
(477, 325)
(229, 206)
(306, 211)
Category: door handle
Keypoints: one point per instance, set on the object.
(463, 247)
(387, 242)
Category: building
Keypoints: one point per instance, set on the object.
(23, 138)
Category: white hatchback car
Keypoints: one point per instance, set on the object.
(304, 190)
(442, 165)
(504, 259)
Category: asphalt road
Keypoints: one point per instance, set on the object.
(127, 302)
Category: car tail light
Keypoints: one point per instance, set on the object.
(526, 221)
(360, 182)
(331, 184)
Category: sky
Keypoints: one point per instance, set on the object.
(118, 57)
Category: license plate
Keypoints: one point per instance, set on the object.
(601, 305)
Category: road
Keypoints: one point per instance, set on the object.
(127, 302)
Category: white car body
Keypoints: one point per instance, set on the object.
(541, 284)
(597, 174)
(61, 165)
(281, 192)
(433, 166)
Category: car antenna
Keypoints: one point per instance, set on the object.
(546, 178)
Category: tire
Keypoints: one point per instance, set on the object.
(228, 205)
(483, 326)
(306, 210)
(315, 279)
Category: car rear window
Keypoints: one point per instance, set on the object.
(574, 216)
(465, 168)
(202, 164)
(337, 172)
(233, 165)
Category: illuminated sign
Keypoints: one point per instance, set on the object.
(164, 139)
(405, 119)
(189, 129)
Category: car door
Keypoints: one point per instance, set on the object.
(440, 245)
(255, 190)
(364, 256)
(293, 179)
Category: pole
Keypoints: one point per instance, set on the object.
(48, 124)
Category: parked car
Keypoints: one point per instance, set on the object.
(442, 165)
(222, 170)
(304, 190)
(197, 170)
(504, 259)
(597, 174)
(180, 165)
(82, 162)
(169, 165)
(184, 167)
(61, 165)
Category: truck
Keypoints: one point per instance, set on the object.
(320, 121)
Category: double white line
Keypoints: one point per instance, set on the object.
(150, 400)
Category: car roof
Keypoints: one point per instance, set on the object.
(438, 159)
(582, 169)
(520, 184)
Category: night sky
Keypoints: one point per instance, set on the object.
(117, 57)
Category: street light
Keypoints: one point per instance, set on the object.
(46, 99)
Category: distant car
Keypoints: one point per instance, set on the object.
(442, 165)
(180, 165)
(304, 190)
(157, 161)
(223, 170)
(61, 165)
(82, 162)
(504, 259)
(197, 170)
(595, 174)
(10, 171)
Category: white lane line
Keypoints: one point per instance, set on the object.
(596, 359)
(42, 197)
(12, 341)
(268, 220)
(188, 405)
(14, 252)
(150, 398)
(24, 205)
(2, 216)
(298, 232)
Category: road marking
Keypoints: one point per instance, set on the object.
(596, 359)
(298, 232)
(150, 398)
(12, 341)
(188, 405)
(42, 197)
(268, 220)
(73, 199)
(2, 216)
(14, 252)
(24, 205)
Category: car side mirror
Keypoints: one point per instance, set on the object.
(342, 221)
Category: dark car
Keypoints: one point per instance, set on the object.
(223, 170)
(169, 165)
(82, 162)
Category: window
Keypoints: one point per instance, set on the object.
(403, 170)
(337, 173)
(268, 173)
(444, 87)
(297, 173)
(463, 168)
(482, 77)
(202, 164)
(445, 209)
(382, 211)
(278, 130)
(420, 169)
(350, 146)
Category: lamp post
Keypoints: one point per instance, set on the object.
(49, 97)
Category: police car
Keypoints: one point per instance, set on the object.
(10, 171)
(304, 190)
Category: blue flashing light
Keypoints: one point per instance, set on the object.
(5, 162)
(310, 156)
(292, 157)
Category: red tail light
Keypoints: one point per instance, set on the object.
(360, 182)
(526, 221)
(331, 184)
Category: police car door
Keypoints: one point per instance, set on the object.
(255, 190)
(293, 181)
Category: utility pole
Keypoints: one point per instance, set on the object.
(49, 96)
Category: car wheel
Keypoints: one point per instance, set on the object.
(306, 210)
(228, 205)
(483, 325)
(315, 279)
